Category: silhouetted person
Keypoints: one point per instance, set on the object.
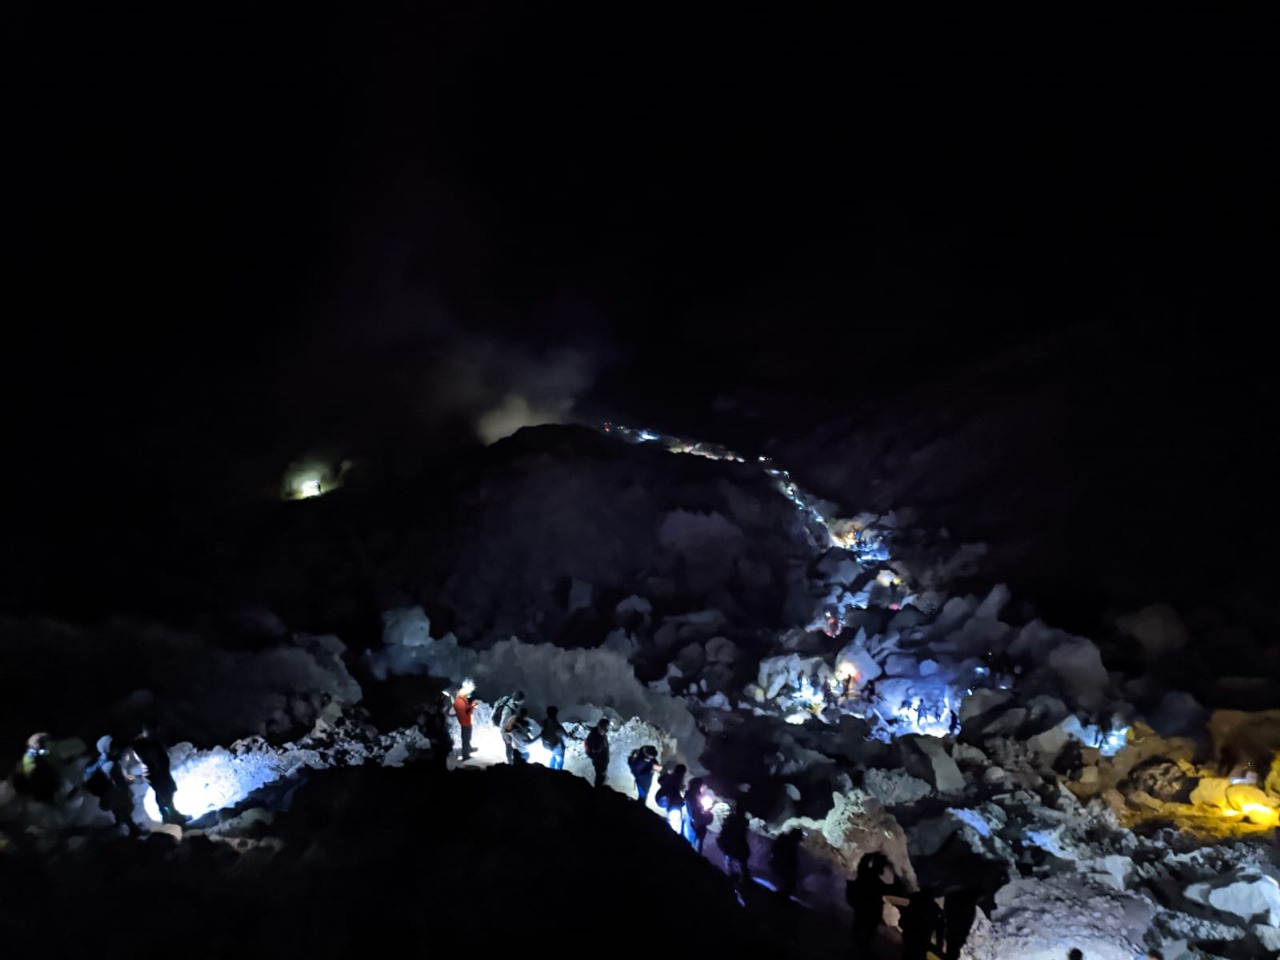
(464, 705)
(1075, 953)
(736, 845)
(597, 746)
(643, 764)
(555, 738)
(865, 895)
(105, 779)
(784, 859)
(519, 736)
(959, 910)
(1154, 954)
(670, 799)
(921, 923)
(506, 708)
(36, 775)
(671, 788)
(152, 757)
(698, 802)
(435, 727)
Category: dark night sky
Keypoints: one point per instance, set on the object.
(251, 236)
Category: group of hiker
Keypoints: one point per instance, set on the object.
(687, 807)
(520, 733)
(123, 767)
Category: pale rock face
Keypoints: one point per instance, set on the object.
(1250, 893)
(947, 778)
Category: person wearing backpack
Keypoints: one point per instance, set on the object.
(519, 736)
(554, 738)
(643, 764)
(506, 708)
(598, 750)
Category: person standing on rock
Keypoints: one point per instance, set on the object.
(959, 910)
(865, 895)
(921, 923)
(554, 737)
(736, 846)
(643, 764)
(506, 708)
(671, 797)
(106, 781)
(519, 736)
(698, 803)
(149, 757)
(464, 705)
(784, 859)
(598, 750)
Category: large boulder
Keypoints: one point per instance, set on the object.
(1250, 893)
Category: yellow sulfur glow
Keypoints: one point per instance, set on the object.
(1260, 814)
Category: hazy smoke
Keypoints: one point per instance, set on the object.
(539, 390)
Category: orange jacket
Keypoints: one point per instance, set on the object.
(463, 708)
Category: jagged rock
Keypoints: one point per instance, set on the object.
(967, 753)
(1004, 724)
(633, 610)
(777, 673)
(857, 655)
(691, 659)
(622, 643)
(1250, 893)
(947, 777)
(406, 627)
(1114, 870)
(1162, 779)
(1268, 936)
(718, 677)
(895, 786)
(1050, 742)
(1184, 927)
(1035, 918)
(721, 650)
(666, 636)
(836, 566)
(901, 665)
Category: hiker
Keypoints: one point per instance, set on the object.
(105, 779)
(736, 846)
(554, 738)
(147, 757)
(670, 798)
(519, 736)
(36, 775)
(503, 711)
(598, 750)
(959, 909)
(784, 859)
(643, 764)
(865, 894)
(698, 802)
(464, 705)
(921, 923)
